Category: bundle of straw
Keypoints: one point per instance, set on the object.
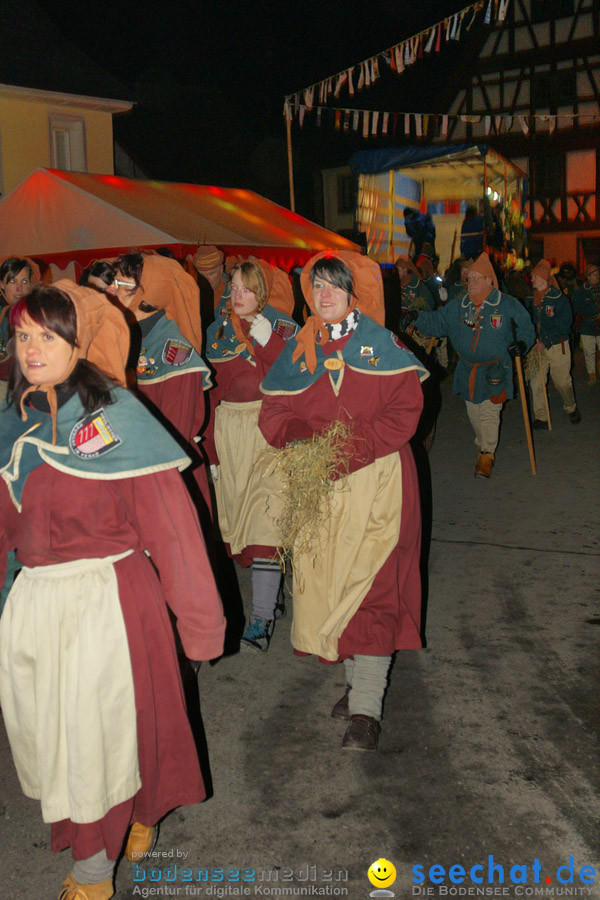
(532, 363)
(306, 469)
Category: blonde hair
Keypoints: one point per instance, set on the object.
(254, 279)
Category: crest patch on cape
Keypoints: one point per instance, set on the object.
(374, 360)
(366, 352)
(550, 311)
(284, 329)
(3, 351)
(496, 321)
(396, 340)
(176, 352)
(93, 436)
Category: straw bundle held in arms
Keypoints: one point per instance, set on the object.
(306, 469)
(533, 361)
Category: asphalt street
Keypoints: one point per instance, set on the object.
(488, 745)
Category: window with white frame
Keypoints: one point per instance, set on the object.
(67, 143)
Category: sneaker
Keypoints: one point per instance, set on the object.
(257, 635)
(72, 890)
(539, 424)
(575, 416)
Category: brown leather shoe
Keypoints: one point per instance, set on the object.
(341, 710)
(483, 468)
(72, 890)
(362, 733)
(141, 840)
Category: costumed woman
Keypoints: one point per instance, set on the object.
(17, 277)
(247, 337)
(358, 599)
(89, 681)
(552, 317)
(414, 293)
(169, 372)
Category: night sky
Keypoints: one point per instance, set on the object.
(209, 79)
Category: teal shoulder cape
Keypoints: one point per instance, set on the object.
(371, 349)
(228, 347)
(165, 354)
(122, 440)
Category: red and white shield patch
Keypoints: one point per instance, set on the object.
(93, 436)
(496, 321)
(285, 330)
(176, 353)
(550, 311)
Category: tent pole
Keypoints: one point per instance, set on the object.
(288, 128)
(391, 217)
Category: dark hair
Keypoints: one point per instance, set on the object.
(131, 265)
(470, 211)
(12, 266)
(54, 310)
(101, 269)
(409, 212)
(332, 269)
(166, 251)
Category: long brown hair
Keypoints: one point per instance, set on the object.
(254, 279)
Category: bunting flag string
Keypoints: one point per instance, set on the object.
(404, 54)
(424, 125)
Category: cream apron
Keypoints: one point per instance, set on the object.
(350, 548)
(248, 493)
(66, 689)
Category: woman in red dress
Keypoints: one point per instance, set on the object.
(91, 499)
(357, 597)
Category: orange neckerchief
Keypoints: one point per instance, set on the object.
(315, 332)
(50, 391)
(238, 330)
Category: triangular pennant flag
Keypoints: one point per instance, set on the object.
(551, 124)
(488, 14)
(487, 124)
(406, 123)
(309, 96)
(346, 120)
(365, 123)
(460, 21)
(361, 77)
(338, 119)
(419, 124)
(399, 58)
(375, 123)
(430, 40)
(301, 112)
(322, 92)
(355, 118)
(340, 81)
(508, 123)
(453, 27)
(384, 123)
(287, 111)
(374, 69)
(439, 38)
(498, 124)
(445, 125)
(447, 24)
(368, 73)
(350, 83)
(392, 59)
(502, 10)
(296, 103)
(524, 124)
(476, 9)
(407, 53)
(425, 124)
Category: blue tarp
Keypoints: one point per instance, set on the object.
(371, 162)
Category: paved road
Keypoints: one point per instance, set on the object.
(487, 746)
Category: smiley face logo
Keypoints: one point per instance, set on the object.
(382, 873)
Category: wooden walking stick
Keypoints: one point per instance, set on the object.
(543, 380)
(521, 381)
